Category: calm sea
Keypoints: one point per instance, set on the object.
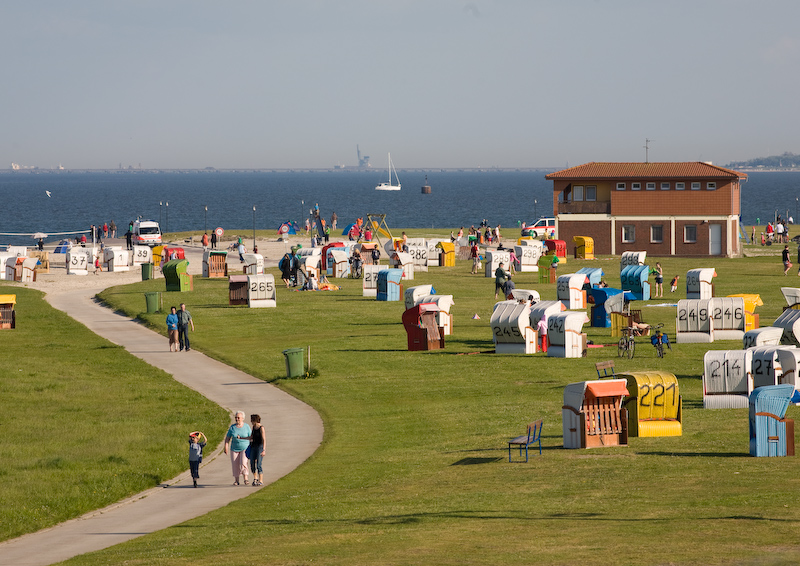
(78, 200)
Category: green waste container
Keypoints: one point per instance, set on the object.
(152, 300)
(147, 271)
(294, 362)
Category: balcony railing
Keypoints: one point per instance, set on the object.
(582, 207)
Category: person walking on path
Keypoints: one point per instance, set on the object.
(500, 276)
(172, 329)
(205, 241)
(213, 239)
(184, 322)
(258, 449)
(197, 441)
(236, 442)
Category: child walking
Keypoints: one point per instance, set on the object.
(674, 283)
(197, 440)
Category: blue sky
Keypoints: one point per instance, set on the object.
(438, 83)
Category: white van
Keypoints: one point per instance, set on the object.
(146, 233)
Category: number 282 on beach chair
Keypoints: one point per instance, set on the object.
(533, 436)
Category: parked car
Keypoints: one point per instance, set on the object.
(545, 225)
(146, 233)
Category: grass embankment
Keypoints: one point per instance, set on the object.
(84, 423)
(414, 467)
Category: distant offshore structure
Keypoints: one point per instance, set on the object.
(426, 188)
(363, 163)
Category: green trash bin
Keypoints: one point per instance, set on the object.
(294, 362)
(147, 271)
(152, 300)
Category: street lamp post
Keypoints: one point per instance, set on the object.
(254, 228)
(160, 208)
(205, 220)
(302, 212)
(166, 219)
(535, 215)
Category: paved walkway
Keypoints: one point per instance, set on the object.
(294, 432)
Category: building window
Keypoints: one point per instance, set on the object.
(591, 193)
(690, 234)
(628, 233)
(636, 186)
(664, 186)
(577, 193)
(680, 186)
(620, 186)
(695, 186)
(656, 233)
(711, 186)
(651, 186)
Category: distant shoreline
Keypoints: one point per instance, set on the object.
(211, 170)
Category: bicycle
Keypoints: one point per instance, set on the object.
(659, 339)
(627, 345)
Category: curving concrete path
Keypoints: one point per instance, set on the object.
(294, 432)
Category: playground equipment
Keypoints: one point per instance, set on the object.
(512, 331)
(261, 291)
(654, 404)
(215, 263)
(592, 415)
(771, 434)
(377, 222)
(564, 336)
(699, 283)
(421, 328)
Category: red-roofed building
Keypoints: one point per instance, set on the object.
(683, 209)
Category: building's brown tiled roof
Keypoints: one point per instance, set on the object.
(682, 170)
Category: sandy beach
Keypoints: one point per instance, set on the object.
(57, 281)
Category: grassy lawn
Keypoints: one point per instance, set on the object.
(78, 415)
(414, 467)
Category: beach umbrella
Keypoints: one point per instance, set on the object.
(38, 235)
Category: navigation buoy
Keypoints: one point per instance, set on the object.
(426, 188)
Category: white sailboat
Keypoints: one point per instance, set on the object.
(389, 186)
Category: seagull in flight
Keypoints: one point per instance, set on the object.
(47, 193)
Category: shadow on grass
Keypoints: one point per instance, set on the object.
(698, 454)
(473, 461)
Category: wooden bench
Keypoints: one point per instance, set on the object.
(607, 368)
(533, 436)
